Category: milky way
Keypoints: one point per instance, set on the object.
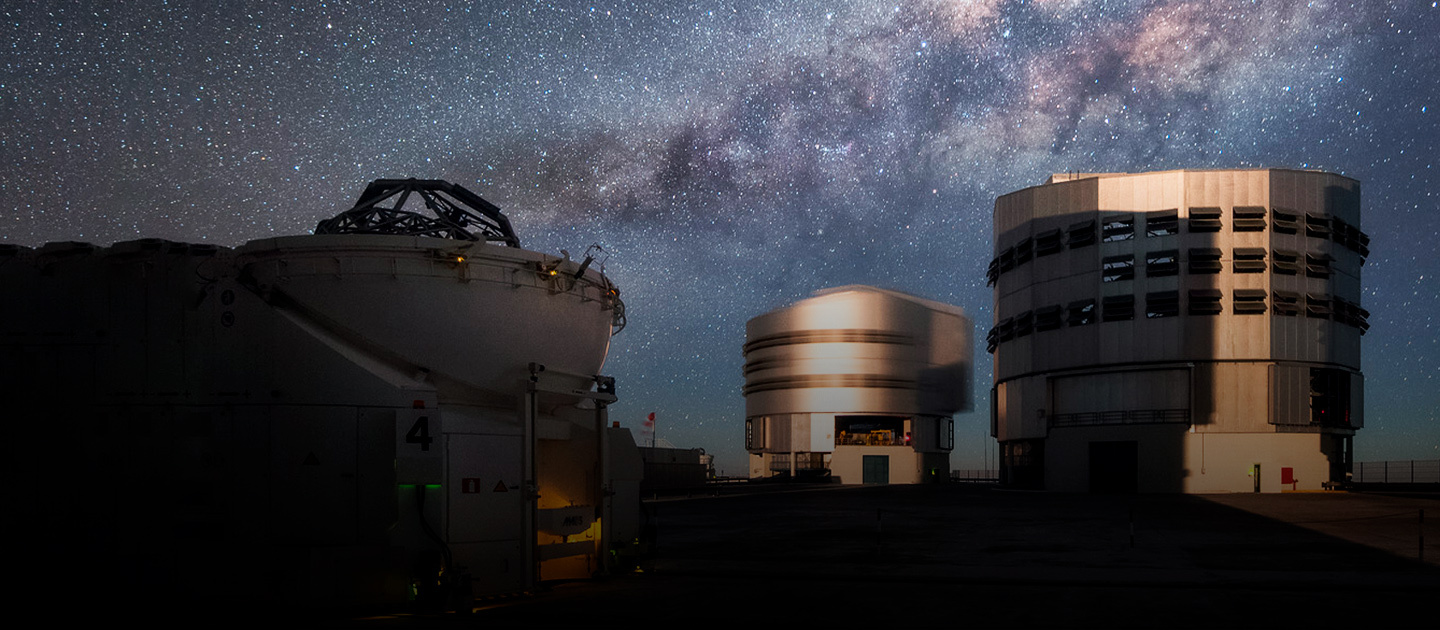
(732, 157)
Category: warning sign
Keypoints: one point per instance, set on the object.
(500, 487)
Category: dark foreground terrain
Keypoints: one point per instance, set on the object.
(974, 556)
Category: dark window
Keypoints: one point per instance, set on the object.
(992, 339)
(1120, 227)
(1082, 234)
(1249, 302)
(1285, 262)
(1162, 224)
(1024, 251)
(1351, 314)
(755, 433)
(1048, 242)
(1204, 219)
(1024, 324)
(1249, 219)
(1081, 312)
(1317, 265)
(1350, 237)
(1118, 308)
(1329, 397)
(1162, 263)
(1116, 268)
(1007, 259)
(1204, 260)
(992, 273)
(1205, 302)
(1162, 304)
(1285, 221)
(1249, 260)
(1286, 303)
(945, 429)
(1317, 306)
(1007, 329)
(1317, 226)
(1048, 318)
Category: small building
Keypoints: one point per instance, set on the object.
(1178, 331)
(858, 384)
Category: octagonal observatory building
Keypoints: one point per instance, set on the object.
(1178, 331)
(856, 383)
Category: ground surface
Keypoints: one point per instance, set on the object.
(975, 556)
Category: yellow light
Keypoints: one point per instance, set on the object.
(554, 272)
(460, 259)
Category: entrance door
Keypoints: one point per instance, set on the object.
(1114, 467)
(875, 469)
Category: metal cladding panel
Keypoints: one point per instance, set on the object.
(858, 349)
(477, 314)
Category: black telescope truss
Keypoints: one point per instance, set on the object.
(459, 214)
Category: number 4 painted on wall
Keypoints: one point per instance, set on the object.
(420, 433)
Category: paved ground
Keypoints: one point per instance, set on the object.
(970, 555)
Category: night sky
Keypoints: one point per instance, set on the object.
(732, 156)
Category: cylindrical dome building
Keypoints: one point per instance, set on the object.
(1178, 331)
(857, 383)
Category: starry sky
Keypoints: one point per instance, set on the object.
(732, 156)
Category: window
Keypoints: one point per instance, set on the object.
(1048, 318)
(1081, 312)
(1024, 324)
(992, 339)
(1351, 314)
(1329, 397)
(870, 431)
(1116, 268)
(1047, 243)
(1162, 263)
(1249, 219)
(1118, 308)
(1204, 260)
(1082, 234)
(1285, 262)
(1120, 227)
(755, 433)
(1205, 301)
(1249, 302)
(992, 273)
(945, 430)
(1162, 223)
(1317, 226)
(1007, 329)
(1007, 259)
(1286, 303)
(1285, 221)
(1317, 265)
(1249, 260)
(1204, 219)
(1024, 251)
(1162, 304)
(1317, 306)
(1350, 237)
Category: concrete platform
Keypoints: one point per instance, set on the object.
(968, 555)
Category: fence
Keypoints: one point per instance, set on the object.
(1401, 471)
(975, 475)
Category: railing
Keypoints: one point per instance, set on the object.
(976, 476)
(1132, 416)
(803, 461)
(1400, 471)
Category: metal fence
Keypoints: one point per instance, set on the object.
(1401, 471)
(975, 475)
